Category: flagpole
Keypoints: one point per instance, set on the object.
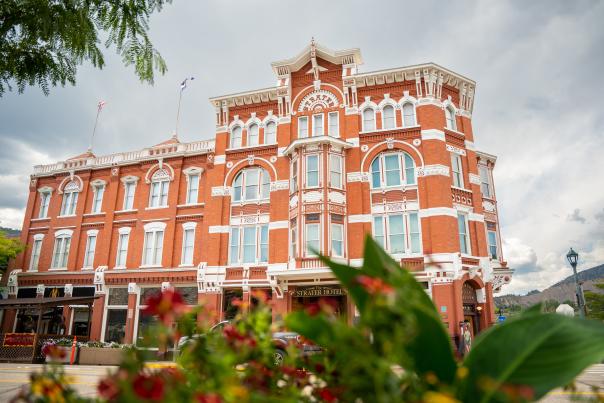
(178, 113)
(98, 112)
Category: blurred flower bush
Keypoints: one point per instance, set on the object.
(398, 351)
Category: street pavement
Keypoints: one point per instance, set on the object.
(84, 379)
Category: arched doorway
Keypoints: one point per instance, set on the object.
(471, 308)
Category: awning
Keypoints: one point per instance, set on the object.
(47, 302)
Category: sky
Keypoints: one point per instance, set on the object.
(538, 105)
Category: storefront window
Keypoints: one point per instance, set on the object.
(115, 326)
(230, 310)
(80, 322)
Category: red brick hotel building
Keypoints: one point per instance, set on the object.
(324, 157)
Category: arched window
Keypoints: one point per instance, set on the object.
(252, 135)
(450, 117)
(388, 117)
(270, 133)
(160, 183)
(408, 115)
(392, 169)
(251, 184)
(70, 198)
(236, 137)
(368, 119)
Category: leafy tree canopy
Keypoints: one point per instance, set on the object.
(595, 303)
(42, 42)
(9, 249)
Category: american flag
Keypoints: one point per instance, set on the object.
(183, 85)
(101, 105)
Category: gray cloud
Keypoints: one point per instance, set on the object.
(536, 65)
(576, 216)
(600, 216)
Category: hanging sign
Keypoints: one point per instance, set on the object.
(19, 339)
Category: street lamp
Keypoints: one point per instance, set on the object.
(573, 257)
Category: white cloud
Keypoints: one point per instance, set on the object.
(11, 217)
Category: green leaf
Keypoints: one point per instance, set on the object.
(532, 310)
(540, 352)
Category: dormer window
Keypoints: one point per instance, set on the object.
(160, 183)
(251, 184)
(252, 135)
(236, 137)
(270, 133)
(450, 118)
(70, 199)
(368, 120)
(388, 117)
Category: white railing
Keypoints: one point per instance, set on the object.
(127, 157)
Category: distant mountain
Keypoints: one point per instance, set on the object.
(561, 291)
(10, 232)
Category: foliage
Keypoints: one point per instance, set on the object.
(595, 303)
(101, 344)
(550, 305)
(42, 42)
(9, 249)
(398, 351)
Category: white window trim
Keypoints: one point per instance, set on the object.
(127, 181)
(61, 234)
(90, 234)
(232, 138)
(461, 176)
(451, 109)
(159, 182)
(300, 118)
(342, 176)
(319, 170)
(44, 192)
(244, 173)
(337, 115)
(122, 232)
(394, 108)
(97, 185)
(408, 102)
(75, 205)
(188, 226)
(307, 253)
(193, 171)
(331, 250)
(363, 128)
(467, 235)
(407, 234)
(36, 238)
(403, 168)
(265, 125)
(240, 246)
(314, 133)
(248, 134)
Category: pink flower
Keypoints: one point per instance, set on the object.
(167, 306)
(374, 285)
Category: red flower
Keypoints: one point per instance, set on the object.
(108, 389)
(260, 295)
(327, 395)
(149, 387)
(167, 306)
(208, 398)
(54, 352)
(374, 285)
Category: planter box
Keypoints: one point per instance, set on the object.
(67, 353)
(100, 356)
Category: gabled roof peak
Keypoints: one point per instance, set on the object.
(311, 52)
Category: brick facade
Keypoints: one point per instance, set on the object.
(323, 158)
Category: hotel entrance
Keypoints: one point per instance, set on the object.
(335, 296)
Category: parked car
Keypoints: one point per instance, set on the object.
(281, 340)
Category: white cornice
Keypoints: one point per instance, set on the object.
(316, 140)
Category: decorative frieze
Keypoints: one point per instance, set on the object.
(357, 177)
(218, 229)
(474, 179)
(279, 185)
(431, 170)
(455, 150)
(221, 191)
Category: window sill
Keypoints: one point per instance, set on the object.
(453, 131)
(120, 268)
(40, 219)
(191, 205)
(186, 265)
(66, 216)
(126, 211)
(58, 269)
(151, 266)
(390, 129)
(156, 208)
(245, 202)
(245, 148)
(93, 214)
(461, 189)
(395, 187)
(87, 269)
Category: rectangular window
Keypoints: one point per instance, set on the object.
(70, 200)
(293, 241)
(456, 170)
(122, 250)
(485, 183)
(44, 202)
(317, 125)
(337, 240)
(335, 171)
(129, 195)
(97, 202)
(312, 170)
(115, 325)
(302, 127)
(89, 254)
(334, 124)
(396, 233)
(234, 246)
(159, 194)
(35, 255)
(464, 244)
(294, 176)
(378, 231)
(414, 235)
(313, 239)
(492, 244)
(187, 246)
(393, 169)
(61, 252)
(192, 189)
(154, 241)
(252, 178)
(264, 243)
(249, 244)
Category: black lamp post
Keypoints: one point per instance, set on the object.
(573, 257)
